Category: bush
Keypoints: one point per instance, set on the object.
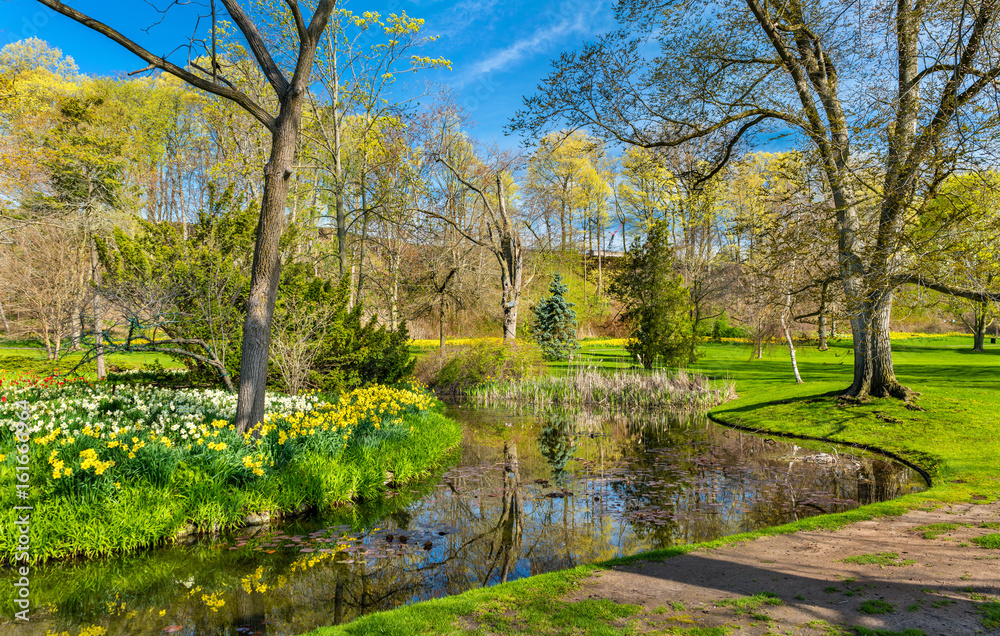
(320, 343)
(722, 329)
(466, 367)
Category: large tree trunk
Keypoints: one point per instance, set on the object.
(979, 335)
(266, 269)
(873, 349)
(873, 369)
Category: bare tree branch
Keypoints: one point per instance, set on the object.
(259, 48)
(155, 61)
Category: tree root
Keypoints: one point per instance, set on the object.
(854, 397)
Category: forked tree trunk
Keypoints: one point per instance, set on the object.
(504, 241)
(266, 270)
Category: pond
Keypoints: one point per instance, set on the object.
(526, 494)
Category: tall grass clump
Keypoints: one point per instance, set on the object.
(115, 471)
(621, 389)
(459, 370)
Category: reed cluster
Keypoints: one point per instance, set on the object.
(621, 389)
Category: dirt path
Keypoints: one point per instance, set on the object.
(942, 591)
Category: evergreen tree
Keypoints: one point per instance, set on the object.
(555, 323)
(655, 302)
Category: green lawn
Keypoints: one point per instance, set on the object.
(20, 358)
(955, 439)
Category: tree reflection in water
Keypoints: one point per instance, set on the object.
(505, 544)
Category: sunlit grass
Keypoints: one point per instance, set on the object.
(955, 439)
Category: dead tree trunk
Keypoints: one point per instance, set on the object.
(503, 239)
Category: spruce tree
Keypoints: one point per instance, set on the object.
(555, 323)
(656, 305)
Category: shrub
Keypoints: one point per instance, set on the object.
(321, 343)
(466, 367)
(722, 329)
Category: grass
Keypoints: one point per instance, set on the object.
(958, 393)
(989, 541)
(751, 605)
(876, 606)
(881, 559)
(934, 530)
(18, 359)
(954, 439)
(990, 614)
(508, 608)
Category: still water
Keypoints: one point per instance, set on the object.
(525, 494)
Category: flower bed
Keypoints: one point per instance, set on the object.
(162, 462)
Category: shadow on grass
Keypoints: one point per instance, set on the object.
(730, 417)
(805, 588)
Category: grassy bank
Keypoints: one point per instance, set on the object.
(112, 471)
(955, 439)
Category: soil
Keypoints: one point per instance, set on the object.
(941, 591)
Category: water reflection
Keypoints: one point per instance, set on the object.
(529, 494)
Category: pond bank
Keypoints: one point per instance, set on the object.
(115, 473)
(955, 439)
(894, 579)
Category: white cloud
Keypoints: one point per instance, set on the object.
(581, 22)
(465, 17)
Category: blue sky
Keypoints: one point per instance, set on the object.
(500, 49)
